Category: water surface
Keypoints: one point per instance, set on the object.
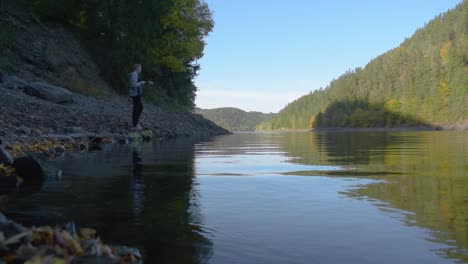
(330, 197)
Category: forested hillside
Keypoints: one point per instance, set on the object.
(165, 36)
(423, 81)
(234, 119)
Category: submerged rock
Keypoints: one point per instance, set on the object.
(48, 92)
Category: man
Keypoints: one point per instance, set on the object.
(136, 91)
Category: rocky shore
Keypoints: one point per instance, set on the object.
(27, 117)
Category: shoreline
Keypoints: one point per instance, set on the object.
(463, 127)
(393, 129)
(27, 120)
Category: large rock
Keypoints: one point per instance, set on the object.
(48, 92)
(29, 170)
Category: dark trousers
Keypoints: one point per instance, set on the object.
(137, 109)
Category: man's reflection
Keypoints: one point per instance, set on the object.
(137, 186)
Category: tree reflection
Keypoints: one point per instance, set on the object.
(140, 195)
(425, 173)
(170, 217)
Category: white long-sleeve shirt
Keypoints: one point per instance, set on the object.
(135, 85)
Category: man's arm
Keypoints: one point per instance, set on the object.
(135, 82)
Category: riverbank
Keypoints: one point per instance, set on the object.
(25, 119)
(51, 89)
(436, 127)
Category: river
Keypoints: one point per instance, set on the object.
(280, 197)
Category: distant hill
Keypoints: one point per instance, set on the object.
(423, 81)
(234, 119)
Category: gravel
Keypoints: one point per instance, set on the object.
(25, 119)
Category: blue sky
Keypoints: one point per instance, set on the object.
(263, 54)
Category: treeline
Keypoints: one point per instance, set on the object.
(234, 119)
(165, 36)
(361, 114)
(424, 80)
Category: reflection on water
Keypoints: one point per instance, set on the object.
(369, 197)
(139, 195)
(426, 173)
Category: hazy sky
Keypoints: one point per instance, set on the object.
(263, 54)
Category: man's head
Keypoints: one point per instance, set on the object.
(137, 67)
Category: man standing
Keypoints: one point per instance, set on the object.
(136, 91)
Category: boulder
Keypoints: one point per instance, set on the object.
(29, 170)
(48, 92)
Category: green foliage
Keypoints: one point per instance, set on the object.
(425, 78)
(7, 34)
(66, 11)
(165, 36)
(234, 119)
